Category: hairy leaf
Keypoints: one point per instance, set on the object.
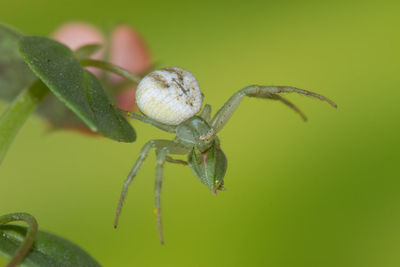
(56, 66)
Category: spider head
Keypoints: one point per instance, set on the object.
(195, 132)
(209, 166)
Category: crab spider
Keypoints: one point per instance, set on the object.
(170, 98)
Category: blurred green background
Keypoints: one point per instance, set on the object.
(321, 193)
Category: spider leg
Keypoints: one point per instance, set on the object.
(177, 161)
(270, 92)
(161, 158)
(289, 104)
(159, 125)
(142, 156)
(206, 113)
(161, 145)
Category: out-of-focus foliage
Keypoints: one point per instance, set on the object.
(15, 75)
(18, 112)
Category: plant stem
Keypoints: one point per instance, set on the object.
(112, 68)
(30, 235)
(17, 113)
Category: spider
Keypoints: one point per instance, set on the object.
(169, 99)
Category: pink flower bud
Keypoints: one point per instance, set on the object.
(129, 51)
(76, 34)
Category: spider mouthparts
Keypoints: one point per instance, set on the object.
(214, 191)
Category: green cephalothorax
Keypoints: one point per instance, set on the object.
(209, 166)
(195, 132)
(172, 95)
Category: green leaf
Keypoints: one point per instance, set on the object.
(30, 236)
(19, 110)
(56, 66)
(87, 51)
(47, 250)
(15, 75)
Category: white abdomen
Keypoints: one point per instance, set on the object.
(169, 95)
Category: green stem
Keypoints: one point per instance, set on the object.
(112, 68)
(30, 235)
(15, 116)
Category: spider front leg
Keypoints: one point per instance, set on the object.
(206, 113)
(176, 161)
(269, 92)
(159, 125)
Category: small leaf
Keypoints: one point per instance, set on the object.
(47, 250)
(15, 75)
(56, 66)
(87, 51)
